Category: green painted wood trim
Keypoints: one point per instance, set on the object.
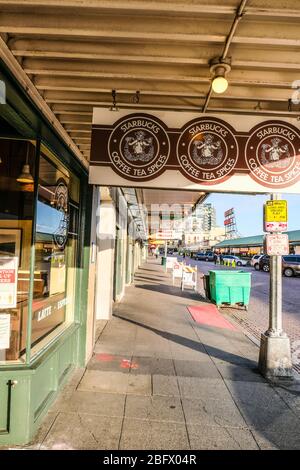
(83, 274)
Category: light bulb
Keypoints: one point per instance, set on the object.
(219, 84)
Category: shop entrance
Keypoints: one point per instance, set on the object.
(177, 156)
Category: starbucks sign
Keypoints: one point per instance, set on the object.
(242, 153)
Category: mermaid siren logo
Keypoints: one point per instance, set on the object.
(139, 147)
(273, 154)
(61, 204)
(210, 150)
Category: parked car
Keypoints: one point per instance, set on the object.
(238, 261)
(254, 262)
(290, 265)
(263, 264)
(201, 256)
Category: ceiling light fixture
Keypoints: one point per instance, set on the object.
(114, 106)
(219, 68)
(136, 98)
(25, 176)
(258, 107)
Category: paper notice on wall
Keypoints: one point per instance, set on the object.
(4, 330)
(8, 282)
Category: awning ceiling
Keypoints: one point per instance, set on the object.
(76, 52)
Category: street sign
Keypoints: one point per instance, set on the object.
(275, 216)
(275, 226)
(277, 244)
(276, 211)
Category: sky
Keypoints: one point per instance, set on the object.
(249, 211)
(48, 218)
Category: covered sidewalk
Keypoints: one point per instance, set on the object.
(160, 380)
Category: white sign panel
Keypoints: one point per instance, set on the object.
(277, 244)
(177, 270)
(170, 262)
(275, 226)
(8, 282)
(4, 330)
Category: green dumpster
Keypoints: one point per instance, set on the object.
(163, 261)
(230, 287)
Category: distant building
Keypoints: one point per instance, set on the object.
(254, 245)
(201, 231)
(206, 215)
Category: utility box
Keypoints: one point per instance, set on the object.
(163, 261)
(230, 287)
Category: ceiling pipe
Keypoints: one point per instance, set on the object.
(238, 16)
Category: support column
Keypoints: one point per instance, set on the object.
(106, 233)
(275, 351)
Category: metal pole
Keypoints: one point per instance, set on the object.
(275, 351)
(275, 306)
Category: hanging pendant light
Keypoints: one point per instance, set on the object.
(25, 175)
(219, 69)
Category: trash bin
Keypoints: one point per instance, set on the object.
(230, 287)
(163, 261)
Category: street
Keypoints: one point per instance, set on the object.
(255, 320)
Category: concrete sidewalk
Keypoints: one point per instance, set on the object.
(158, 380)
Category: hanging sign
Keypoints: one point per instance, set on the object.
(187, 151)
(277, 244)
(8, 282)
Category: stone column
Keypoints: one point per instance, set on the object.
(106, 234)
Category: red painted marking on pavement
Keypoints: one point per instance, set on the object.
(209, 315)
(104, 357)
(134, 365)
(127, 364)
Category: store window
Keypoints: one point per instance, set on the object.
(56, 244)
(17, 170)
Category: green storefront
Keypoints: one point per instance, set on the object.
(44, 258)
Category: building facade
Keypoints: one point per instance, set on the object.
(56, 233)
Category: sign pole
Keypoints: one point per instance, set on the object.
(275, 313)
(275, 351)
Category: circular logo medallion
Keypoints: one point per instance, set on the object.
(61, 204)
(139, 147)
(272, 154)
(207, 151)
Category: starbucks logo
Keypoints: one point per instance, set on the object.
(272, 154)
(207, 151)
(61, 204)
(139, 147)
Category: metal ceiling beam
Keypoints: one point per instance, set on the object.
(66, 56)
(154, 8)
(25, 82)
